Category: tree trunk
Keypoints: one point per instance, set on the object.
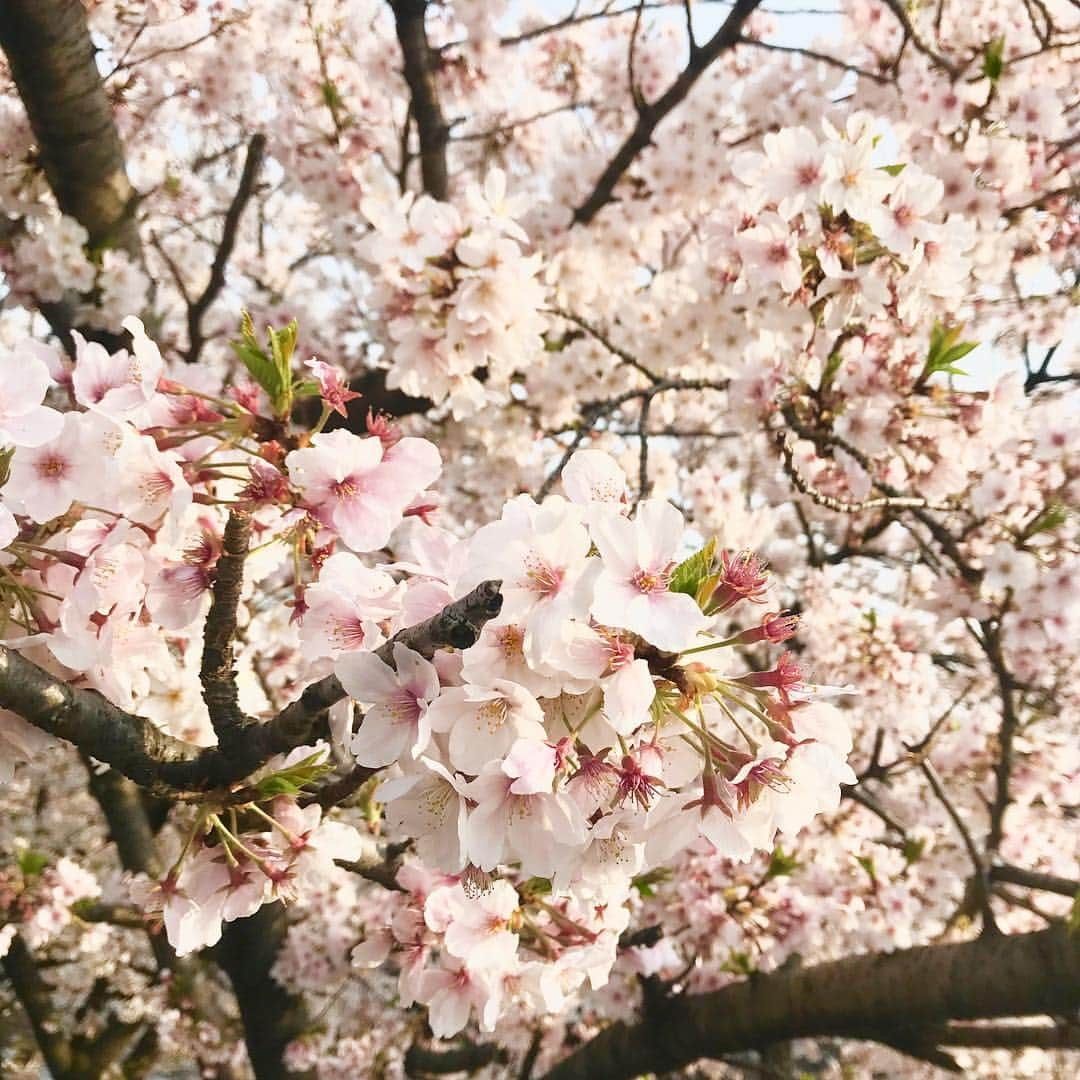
(896, 998)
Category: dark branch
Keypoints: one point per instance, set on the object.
(857, 997)
(35, 997)
(166, 765)
(216, 671)
(52, 61)
(272, 1017)
(467, 1057)
(419, 64)
(650, 115)
(256, 151)
(1034, 879)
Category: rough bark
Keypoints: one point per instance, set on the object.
(899, 998)
(419, 62)
(163, 764)
(650, 115)
(217, 672)
(48, 46)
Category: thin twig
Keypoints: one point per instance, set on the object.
(982, 877)
(244, 190)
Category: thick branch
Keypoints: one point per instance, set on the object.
(881, 996)
(52, 61)
(457, 626)
(271, 1016)
(419, 62)
(163, 764)
(256, 151)
(991, 645)
(467, 1057)
(649, 116)
(1034, 879)
(36, 999)
(217, 672)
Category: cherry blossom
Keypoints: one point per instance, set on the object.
(632, 589)
(400, 719)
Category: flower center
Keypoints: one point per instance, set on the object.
(511, 641)
(52, 468)
(651, 581)
(543, 579)
(493, 713)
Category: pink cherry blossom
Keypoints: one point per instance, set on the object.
(46, 479)
(399, 719)
(484, 721)
(345, 606)
(632, 590)
(24, 380)
(356, 488)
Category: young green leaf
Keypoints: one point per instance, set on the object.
(994, 59)
(781, 864)
(688, 576)
(945, 350)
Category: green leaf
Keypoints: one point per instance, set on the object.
(273, 370)
(738, 963)
(306, 388)
(867, 863)
(994, 58)
(689, 575)
(832, 366)
(1049, 518)
(331, 97)
(31, 863)
(781, 864)
(535, 886)
(913, 849)
(5, 464)
(295, 779)
(644, 883)
(894, 170)
(945, 349)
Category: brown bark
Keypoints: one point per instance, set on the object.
(164, 764)
(48, 46)
(899, 998)
(649, 116)
(419, 63)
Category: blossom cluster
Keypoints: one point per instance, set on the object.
(457, 292)
(589, 734)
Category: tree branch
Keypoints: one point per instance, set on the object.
(48, 46)
(419, 62)
(982, 878)
(650, 115)
(271, 1016)
(36, 999)
(1034, 879)
(256, 151)
(216, 671)
(857, 997)
(467, 1057)
(167, 765)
